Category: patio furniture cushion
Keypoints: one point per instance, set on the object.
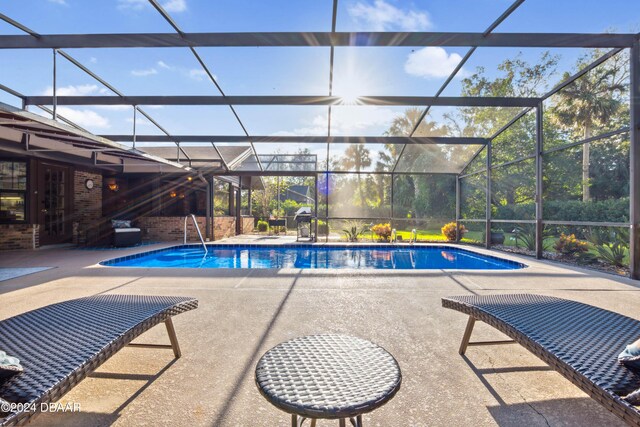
(126, 230)
(120, 223)
(60, 344)
(630, 357)
(579, 341)
(9, 366)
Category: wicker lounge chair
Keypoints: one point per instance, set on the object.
(60, 344)
(579, 341)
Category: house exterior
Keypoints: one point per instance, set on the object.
(61, 185)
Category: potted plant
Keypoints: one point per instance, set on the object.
(497, 237)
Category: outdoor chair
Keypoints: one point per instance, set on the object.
(123, 234)
(60, 344)
(579, 341)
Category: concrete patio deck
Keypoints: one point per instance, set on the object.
(243, 313)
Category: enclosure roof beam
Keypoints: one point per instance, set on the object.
(37, 36)
(19, 26)
(301, 139)
(312, 173)
(581, 73)
(466, 57)
(451, 101)
(457, 69)
(204, 67)
(317, 39)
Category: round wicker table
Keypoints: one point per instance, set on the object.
(328, 377)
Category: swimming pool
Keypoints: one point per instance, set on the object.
(364, 257)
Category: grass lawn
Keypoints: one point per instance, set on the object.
(436, 236)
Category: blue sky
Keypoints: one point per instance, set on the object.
(279, 71)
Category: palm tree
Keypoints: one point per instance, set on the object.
(357, 157)
(592, 101)
(403, 125)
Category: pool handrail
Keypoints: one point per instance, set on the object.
(195, 223)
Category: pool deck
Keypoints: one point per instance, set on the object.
(243, 313)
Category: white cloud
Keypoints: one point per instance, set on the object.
(175, 5)
(197, 74)
(132, 4)
(93, 60)
(144, 73)
(71, 90)
(164, 65)
(432, 61)
(84, 118)
(382, 16)
(61, 2)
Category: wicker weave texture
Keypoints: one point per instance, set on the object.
(328, 376)
(580, 341)
(60, 344)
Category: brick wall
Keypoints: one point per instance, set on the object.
(87, 205)
(171, 229)
(247, 224)
(224, 226)
(19, 236)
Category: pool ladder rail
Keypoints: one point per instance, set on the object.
(412, 239)
(195, 223)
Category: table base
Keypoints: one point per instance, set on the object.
(299, 421)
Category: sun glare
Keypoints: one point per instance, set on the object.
(351, 88)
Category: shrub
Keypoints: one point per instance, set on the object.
(525, 235)
(383, 231)
(570, 245)
(354, 230)
(611, 244)
(263, 225)
(449, 231)
(611, 210)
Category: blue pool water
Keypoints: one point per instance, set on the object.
(305, 256)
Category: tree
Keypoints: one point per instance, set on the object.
(592, 101)
(518, 79)
(357, 157)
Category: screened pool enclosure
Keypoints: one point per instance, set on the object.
(539, 155)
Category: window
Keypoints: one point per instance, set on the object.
(13, 189)
(221, 198)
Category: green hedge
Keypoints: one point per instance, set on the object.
(569, 210)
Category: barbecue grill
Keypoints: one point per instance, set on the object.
(303, 218)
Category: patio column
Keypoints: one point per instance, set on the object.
(488, 192)
(209, 209)
(249, 193)
(391, 201)
(54, 86)
(539, 147)
(634, 170)
(327, 200)
(213, 209)
(239, 207)
(231, 200)
(458, 209)
(315, 206)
